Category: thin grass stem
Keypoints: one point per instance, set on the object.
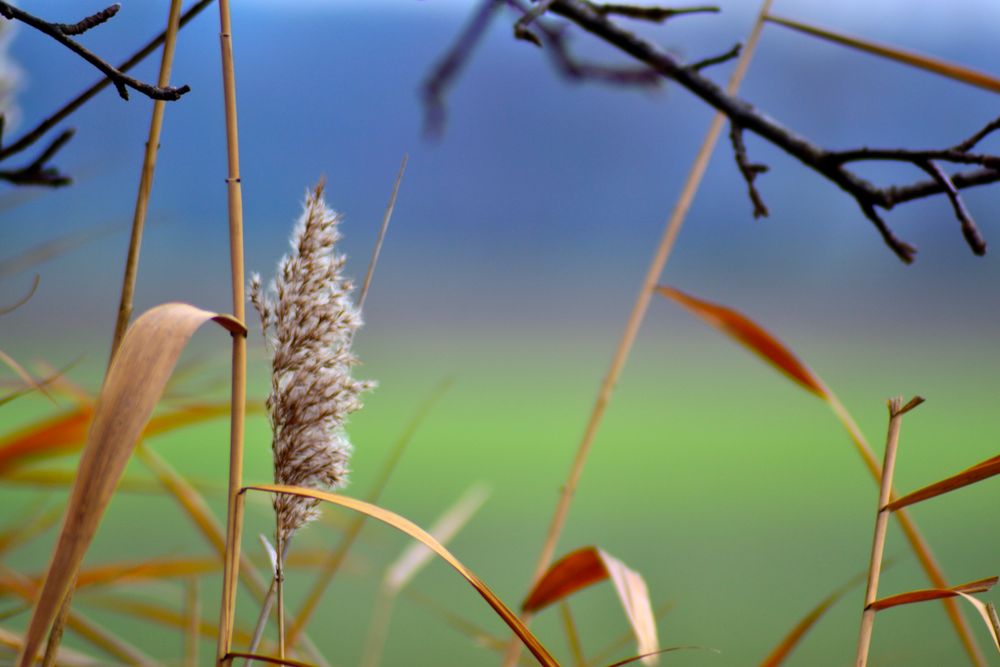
(635, 320)
(896, 412)
(390, 207)
(572, 636)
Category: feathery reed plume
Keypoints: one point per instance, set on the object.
(313, 320)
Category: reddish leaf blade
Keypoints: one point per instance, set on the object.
(977, 473)
(588, 566)
(979, 586)
(573, 572)
(752, 335)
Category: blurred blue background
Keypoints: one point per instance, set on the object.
(518, 243)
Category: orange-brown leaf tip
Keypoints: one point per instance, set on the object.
(750, 334)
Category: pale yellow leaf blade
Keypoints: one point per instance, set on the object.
(989, 615)
(413, 530)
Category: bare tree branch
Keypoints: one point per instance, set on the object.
(652, 14)
(37, 173)
(61, 33)
(832, 165)
(749, 170)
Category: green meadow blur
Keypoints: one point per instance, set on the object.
(510, 267)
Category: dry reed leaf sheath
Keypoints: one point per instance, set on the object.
(131, 389)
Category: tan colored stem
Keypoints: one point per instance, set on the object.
(913, 536)
(881, 526)
(146, 180)
(635, 319)
(132, 259)
(572, 636)
(234, 513)
(279, 582)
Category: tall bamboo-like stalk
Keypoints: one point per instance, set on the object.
(896, 412)
(234, 512)
(132, 259)
(635, 320)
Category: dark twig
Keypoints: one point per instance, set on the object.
(447, 69)
(86, 24)
(750, 170)
(652, 14)
(971, 142)
(554, 38)
(37, 173)
(832, 165)
(719, 59)
(969, 229)
(58, 32)
(521, 25)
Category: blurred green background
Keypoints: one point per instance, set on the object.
(518, 244)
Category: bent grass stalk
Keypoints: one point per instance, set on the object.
(636, 318)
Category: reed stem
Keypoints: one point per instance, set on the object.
(146, 180)
(234, 513)
(896, 412)
(279, 581)
(635, 320)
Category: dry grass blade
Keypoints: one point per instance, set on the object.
(65, 657)
(30, 382)
(415, 531)
(46, 251)
(750, 334)
(976, 473)
(265, 659)
(390, 207)
(911, 597)
(920, 61)
(590, 565)
(131, 390)
(158, 614)
(24, 299)
(417, 555)
(989, 615)
(32, 525)
(791, 640)
(192, 622)
(627, 637)
(92, 632)
(645, 657)
(413, 559)
(67, 432)
(46, 478)
(916, 540)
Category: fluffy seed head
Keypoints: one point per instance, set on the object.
(309, 322)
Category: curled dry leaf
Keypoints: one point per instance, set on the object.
(588, 566)
(413, 530)
(132, 387)
(977, 473)
(911, 597)
(989, 615)
(750, 334)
